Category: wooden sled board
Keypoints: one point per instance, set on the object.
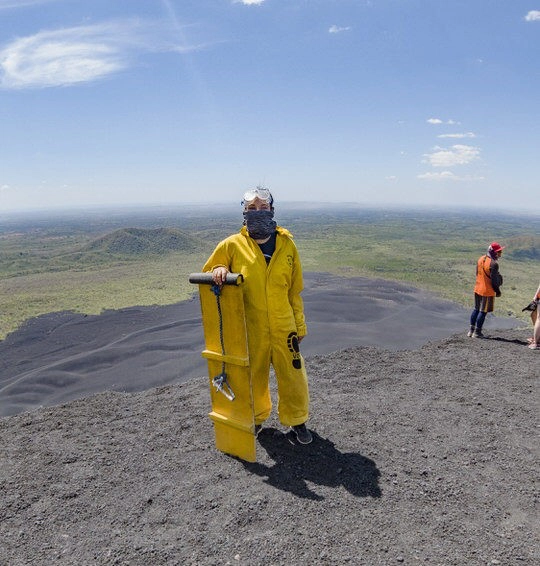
(234, 423)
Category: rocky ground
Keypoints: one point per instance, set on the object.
(422, 456)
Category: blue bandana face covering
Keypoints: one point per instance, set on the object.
(260, 223)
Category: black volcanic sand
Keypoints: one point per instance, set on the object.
(420, 456)
(64, 356)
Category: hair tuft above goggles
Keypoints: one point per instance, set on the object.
(262, 193)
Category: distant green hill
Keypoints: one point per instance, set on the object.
(524, 247)
(141, 241)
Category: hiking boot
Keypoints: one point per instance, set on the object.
(478, 334)
(302, 434)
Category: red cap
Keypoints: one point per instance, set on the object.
(496, 247)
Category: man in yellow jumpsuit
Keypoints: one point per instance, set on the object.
(266, 256)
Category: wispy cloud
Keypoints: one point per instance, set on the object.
(458, 136)
(80, 54)
(5, 4)
(338, 29)
(437, 121)
(249, 2)
(533, 16)
(447, 176)
(441, 176)
(456, 155)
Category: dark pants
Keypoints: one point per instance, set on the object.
(482, 305)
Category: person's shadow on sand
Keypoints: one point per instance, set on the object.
(319, 463)
(510, 341)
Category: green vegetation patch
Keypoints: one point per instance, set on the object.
(525, 247)
(93, 263)
(141, 241)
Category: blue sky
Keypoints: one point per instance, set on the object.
(382, 102)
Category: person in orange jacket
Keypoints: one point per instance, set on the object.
(487, 287)
(267, 257)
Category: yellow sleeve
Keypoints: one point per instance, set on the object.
(220, 257)
(295, 299)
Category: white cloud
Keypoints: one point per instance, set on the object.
(456, 155)
(439, 121)
(4, 188)
(391, 178)
(442, 176)
(446, 176)
(533, 16)
(459, 136)
(79, 54)
(337, 29)
(6, 4)
(249, 2)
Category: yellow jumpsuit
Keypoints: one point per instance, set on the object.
(274, 318)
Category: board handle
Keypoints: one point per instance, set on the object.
(206, 278)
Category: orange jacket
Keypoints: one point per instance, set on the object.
(487, 277)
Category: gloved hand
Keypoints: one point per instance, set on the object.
(530, 307)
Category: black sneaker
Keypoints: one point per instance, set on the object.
(258, 428)
(302, 434)
(478, 334)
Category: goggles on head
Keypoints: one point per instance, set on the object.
(260, 193)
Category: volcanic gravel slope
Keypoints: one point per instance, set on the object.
(422, 456)
(59, 357)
